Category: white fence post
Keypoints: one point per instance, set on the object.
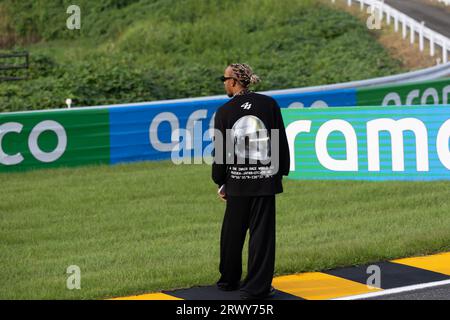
(421, 36)
(388, 13)
(404, 26)
(396, 22)
(432, 50)
(412, 35)
(444, 51)
(380, 16)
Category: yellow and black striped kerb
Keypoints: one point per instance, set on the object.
(332, 284)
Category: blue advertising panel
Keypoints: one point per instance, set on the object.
(320, 99)
(152, 132)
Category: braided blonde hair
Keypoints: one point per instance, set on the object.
(244, 74)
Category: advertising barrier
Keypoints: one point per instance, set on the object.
(54, 138)
(421, 93)
(150, 131)
(369, 143)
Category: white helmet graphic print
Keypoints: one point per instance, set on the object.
(251, 139)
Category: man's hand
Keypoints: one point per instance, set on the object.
(221, 193)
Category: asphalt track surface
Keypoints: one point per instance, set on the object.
(435, 293)
(416, 278)
(435, 18)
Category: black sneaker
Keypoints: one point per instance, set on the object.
(228, 287)
(247, 296)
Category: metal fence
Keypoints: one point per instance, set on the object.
(446, 2)
(415, 28)
(10, 70)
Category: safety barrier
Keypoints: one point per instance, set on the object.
(151, 131)
(370, 143)
(431, 73)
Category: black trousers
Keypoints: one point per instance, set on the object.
(256, 214)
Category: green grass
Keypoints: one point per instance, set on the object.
(144, 227)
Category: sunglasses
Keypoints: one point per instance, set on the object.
(223, 78)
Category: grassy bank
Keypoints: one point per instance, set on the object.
(131, 51)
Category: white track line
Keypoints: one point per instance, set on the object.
(396, 290)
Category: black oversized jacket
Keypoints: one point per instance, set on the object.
(242, 114)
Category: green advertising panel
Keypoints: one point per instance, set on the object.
(369, 143)
(419, 93)
(53, 138)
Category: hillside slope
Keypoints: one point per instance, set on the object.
(131, 51)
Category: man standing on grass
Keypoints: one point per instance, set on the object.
(251, 154)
